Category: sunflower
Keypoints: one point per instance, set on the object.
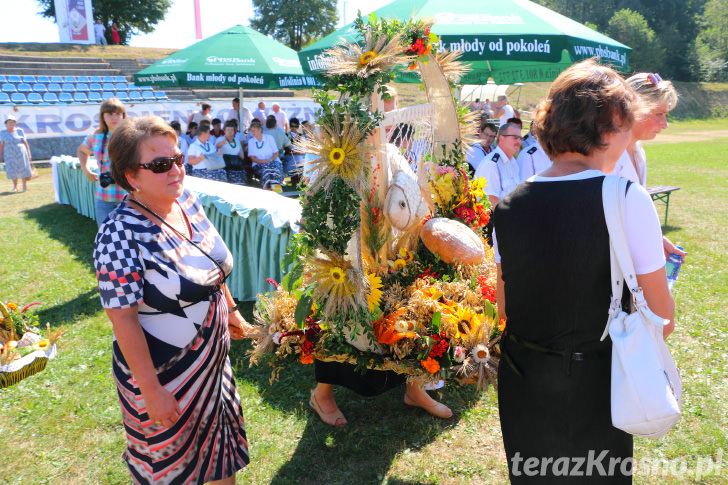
(340, 152)
(374, 297)
(378, 54)
(337, 282)
(464, 323)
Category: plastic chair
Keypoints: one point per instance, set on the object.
(14, 79)
(50, 98)
(3, 79)
(29, 79)
(160, 95)
(121, 87)
(65, 98)
(42, 79)
(146, 88)
(40, 88)
(122, 96)
(133, 87)
(54, 88)
(69, 79)
(18, 98)
(95, 79)
(57, 79)
(24, 88)
(107, 95)
(82, 79)
(108, 87)
(4, 98)
(35, 98)
(80, 97)
(119, 79)
(94, 87)
(135, 96)
(148, 96)
(108, 79)
(68, 88)
(94, 97)
(9, 88)
(82, 87)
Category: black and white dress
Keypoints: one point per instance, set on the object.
(554, 378)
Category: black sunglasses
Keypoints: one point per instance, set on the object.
(163, 164)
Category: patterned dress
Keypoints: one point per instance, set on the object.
(183, 314)
(15, 155)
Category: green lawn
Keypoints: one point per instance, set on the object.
(63, 426)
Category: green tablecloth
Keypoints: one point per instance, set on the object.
(255, 224)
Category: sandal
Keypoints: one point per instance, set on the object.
(334, 419)
(438, 409)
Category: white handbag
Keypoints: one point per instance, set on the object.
(646, 389)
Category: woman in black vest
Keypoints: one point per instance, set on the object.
(552, 250)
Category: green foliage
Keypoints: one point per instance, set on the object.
(293, 22)
(131, 16)
(711, 46)
(631, 28)
(330, 217)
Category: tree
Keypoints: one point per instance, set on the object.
(711, 45)
(630, 28)
(296, 23)
(131, 16)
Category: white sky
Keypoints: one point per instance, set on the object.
(176, 31)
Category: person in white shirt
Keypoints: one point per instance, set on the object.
(198, 154)
(532, 160)
(281, 117)
(232, 152)
(263, 151)
(203, 114)
(181, 139)
(657, 98)
(500, 168)
(235, 115)
(478, 152)
(503, 110)
(259, 114)
(99, 31)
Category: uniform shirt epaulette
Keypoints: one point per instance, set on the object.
(495, 158)
(532, 150)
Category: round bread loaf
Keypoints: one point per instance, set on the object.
(453, 241)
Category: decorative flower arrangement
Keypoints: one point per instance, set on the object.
(360, 286)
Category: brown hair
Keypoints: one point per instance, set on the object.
(584, 103)
(111, 106)
(126, 141)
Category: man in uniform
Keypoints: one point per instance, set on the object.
(532, 160)
(500, 168)
(479, 151)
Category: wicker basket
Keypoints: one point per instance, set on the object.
(24, 367)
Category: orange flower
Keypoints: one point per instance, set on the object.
(306, 359)
(385, 332)
(502, 324)
(12, 306)
(430, 365)
(412, 66)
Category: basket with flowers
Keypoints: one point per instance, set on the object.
(23, 351)
(389, 270)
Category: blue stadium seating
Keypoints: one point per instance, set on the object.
(93, 87)
(9, 88)
(148, 95)
(146, 88)
(108, 79)
(69, 79)
(135, 96)
(24, 88)
(65, 97)
(35, 98)
(107, 95)
(50, 98)
(57, 79)
(18, 98)
(83, 79)
(68, 88)
(122, 96)
(42, 79)
(94, 97)
(4, 98)
(14, 79)
(54, 87)
(160, 95)
(121, 87)
(119, 79)
(95, 79)
(80, 97)
(40, 88)
(108, 87)
(3, 79)
(82, 87)
(133, 87)
(29, 79)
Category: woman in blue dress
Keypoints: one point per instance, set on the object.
(15, 152)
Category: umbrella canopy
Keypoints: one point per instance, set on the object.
(508, 40)
(239, 57)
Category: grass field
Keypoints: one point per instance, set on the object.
(63, 426)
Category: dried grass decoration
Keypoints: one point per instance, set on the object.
(379, 54)
(337, 283)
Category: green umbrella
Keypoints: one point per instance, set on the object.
(239, 57)
(508, 40)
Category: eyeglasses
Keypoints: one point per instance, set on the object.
(163, 164)
(654, 78)
(512, 136)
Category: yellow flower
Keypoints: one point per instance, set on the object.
(337, 156)
(432, 293)
(337, 275)
(465, 321)
(405, 254)
(43, 345)
(375, 292)
(367, 57)
(399, 264)
(477, 186)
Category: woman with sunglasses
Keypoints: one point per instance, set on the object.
(108, 193)
(161, 268)
(657, 98)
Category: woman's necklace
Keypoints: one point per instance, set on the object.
(233, 144)
(182, 222)
(262, 144)
(205, 147)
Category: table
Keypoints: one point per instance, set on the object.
(662, 193)
(255, 224)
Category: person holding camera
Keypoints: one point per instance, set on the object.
(108, 194)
